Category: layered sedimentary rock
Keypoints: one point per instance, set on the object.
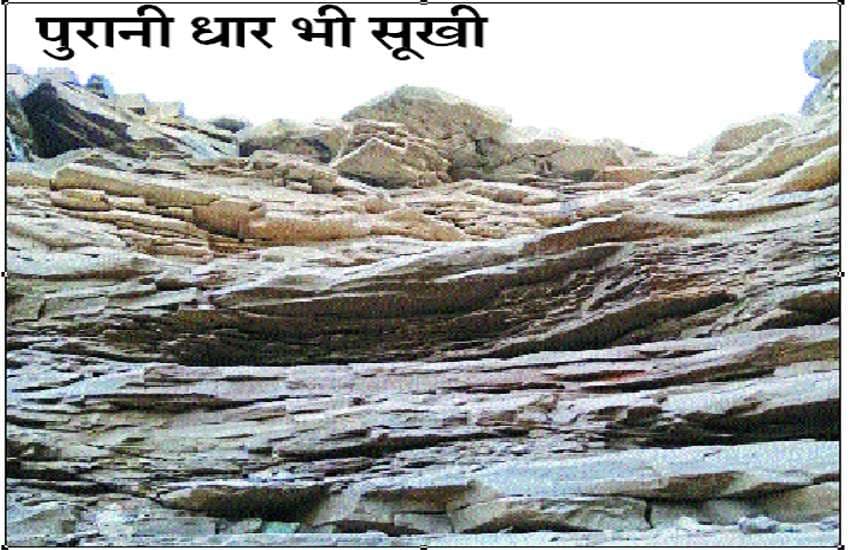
(62, 116)
(478, 142)
(311, 343)
(456, 124)
(319, 142)
(386, 155)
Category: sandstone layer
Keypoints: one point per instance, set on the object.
(416, 326)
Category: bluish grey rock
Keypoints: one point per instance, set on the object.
(760, 524)
(821, 61)
(100, 85)
(829, 524)
(821, 57)
(825, 92)
(280, 527)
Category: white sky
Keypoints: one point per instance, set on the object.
(663, 77)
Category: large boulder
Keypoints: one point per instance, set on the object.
(510, 158)
(821, 61)
(456, 125)
(100, 85)
(689, 474)
(478, 142)
(64, 118)
(821, 57)
(583, 161)
(318, 142)
(290, 168)
(787, 152)
(230, 123)
(432, 113)
(385, 155)
(811, 503)
(521, 154)
(741, 135)
(60, 126)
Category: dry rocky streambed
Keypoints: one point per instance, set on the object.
(416, 326)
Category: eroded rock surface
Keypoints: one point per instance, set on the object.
(822, 61)
(63, 116)
(358, 333)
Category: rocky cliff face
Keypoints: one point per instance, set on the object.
(417, 326)
(62, 116)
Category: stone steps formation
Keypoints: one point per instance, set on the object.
(417, 325)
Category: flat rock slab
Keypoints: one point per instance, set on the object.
(691, 473)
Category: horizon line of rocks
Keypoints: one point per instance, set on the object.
(820, 61)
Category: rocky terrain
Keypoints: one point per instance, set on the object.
(418, 325)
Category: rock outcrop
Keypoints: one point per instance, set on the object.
(19, 133)
(478, 142)
(319, 142)
(386, 155)
(350, 333)
(822, 62)
(741, 135)
(64, 116)
(456, 124)
(229, 123)
(101, 86)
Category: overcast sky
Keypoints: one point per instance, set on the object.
(663, 77)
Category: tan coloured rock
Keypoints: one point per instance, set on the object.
(627, 174)
(457, 126)
(561, 514)
(23, 174)
(289, 168)
(741, 135)
(378, 205)
(386, 165)
(80, 199)
(223, 357)
(228, 217)
(811, 503)
(508, 193)
(417, 225)
(318, 142)
(291, 230)
(432, 113)
(118, 183)
(786, 154)
(818, 172)
(300, 186)
(583, 161)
